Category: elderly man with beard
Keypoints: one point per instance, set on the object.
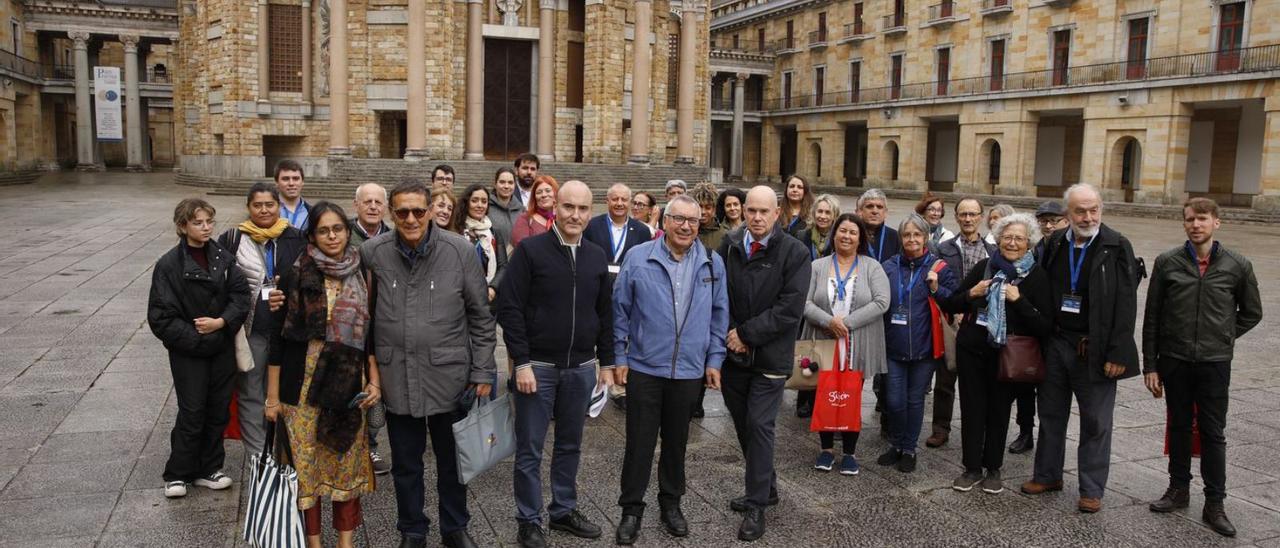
(1093, 277)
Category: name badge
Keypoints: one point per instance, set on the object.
(1071, 303)
(981, 320)
(614, 268)
(266, 291)
(899, 316)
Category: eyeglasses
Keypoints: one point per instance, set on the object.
(1011, 239)
(968, 215)
(639, 205)
(682, 220)
(444, 178)
(417, 212)
(933, 210)
(336, 230)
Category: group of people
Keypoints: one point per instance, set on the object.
(331, 326)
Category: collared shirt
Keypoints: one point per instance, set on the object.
(747, 239)
(411, 255)
(619, 240)
(971, 253)
(297, 217)
(682, 273)
(367, 235)
(524, 194)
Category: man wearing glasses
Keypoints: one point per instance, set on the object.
(442, 177)
(434, 341)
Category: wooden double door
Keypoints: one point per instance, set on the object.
(508, 91)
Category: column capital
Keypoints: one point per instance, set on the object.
(80, 37)
(130, 42)
(547, 4)
(740, 79)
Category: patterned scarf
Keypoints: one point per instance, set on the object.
(349, 319)
(1005, 273)
(261, 235)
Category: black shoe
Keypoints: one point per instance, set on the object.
(673, 521)
(804, 410)
(620, 402)
(699, 412)
(1216, 516)
(890, 457)
(459, 539)
(1025, 442)
(906, 465)
(530, 535)
(740, 504)
(412, 542)
(628, 530)
(752, 527)
(1173, 499)
(576, 524)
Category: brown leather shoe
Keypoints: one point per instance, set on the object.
(938, 439)
(1033, 487)
(1089, 506)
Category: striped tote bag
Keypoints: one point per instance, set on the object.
(272, 519)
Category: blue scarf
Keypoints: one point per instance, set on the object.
(1005, 272)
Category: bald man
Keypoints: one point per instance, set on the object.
(768, 281)
(556, 315)
(371, 210)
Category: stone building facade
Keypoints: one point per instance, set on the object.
(440, 80)
(1152, 100)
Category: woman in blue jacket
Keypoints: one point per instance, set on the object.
(913, 337)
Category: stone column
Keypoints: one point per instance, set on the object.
(735, 150)
(264, 58)
(133, 132)
(640, 84)
(1268, 198)
(339, 105)
(416, 105)
(84, 108)
(307, 86)
(473, 148)
(689, 20)
(546, 80)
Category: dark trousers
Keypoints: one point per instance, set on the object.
(408, 439)
(656, 406)
(848, 441)
(1068, 375)
(203, 387)
(805, 398)
(984, 410)
(1203, 385)
(564, 394)
(944, 398)
(753, 400)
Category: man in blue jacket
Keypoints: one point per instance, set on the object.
(556, 319)
(670, 316)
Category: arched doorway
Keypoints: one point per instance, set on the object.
(890, 166)
(989, 157)
(1126, 166)
(815, 156)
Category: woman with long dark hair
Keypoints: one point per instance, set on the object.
(471, 219)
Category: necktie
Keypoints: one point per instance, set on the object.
(755, 246)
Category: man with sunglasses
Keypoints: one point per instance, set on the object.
(434, 339)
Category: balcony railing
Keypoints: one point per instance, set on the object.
(749, 104)
(945, 11)
(153, 75)
(784, 45)
(894, 23)
(19, 64)
(992, 7)
(855, 28)
(817, 38)
(1234, 61)
(59, 72)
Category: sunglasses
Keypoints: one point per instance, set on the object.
(417, 212)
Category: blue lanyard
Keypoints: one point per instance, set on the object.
(904, 291)
(616, 245)
(843, 279)
(270, 259)
(880, 245)
(1076, 266)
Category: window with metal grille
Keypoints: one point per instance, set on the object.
(285, 47)
(673, 69)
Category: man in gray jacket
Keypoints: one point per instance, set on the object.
(433, 338)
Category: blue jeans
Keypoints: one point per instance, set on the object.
(564, 394)
(904, 400)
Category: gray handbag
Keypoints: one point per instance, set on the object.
(484, 437)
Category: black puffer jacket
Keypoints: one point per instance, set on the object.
(767, 294)
(181, 291)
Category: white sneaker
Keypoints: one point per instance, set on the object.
(216, 481)
(175, 489)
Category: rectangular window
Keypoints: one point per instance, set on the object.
(1137, 57)
(895, 76)
(1230, 35)
(822, 27)
(791, 35)
(855, 80)
(735, 42)
(944, 69)
(857, 19)
(1061, 56)
(16, 29)
(899, 13)
(284, 46)
(997, 65)
(946, 9)
(573, 84)
(786, 90)
(577, 15)
(819, 84)
(673, 68)
(760, 38)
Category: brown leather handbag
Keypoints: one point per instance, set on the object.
(1021, 360)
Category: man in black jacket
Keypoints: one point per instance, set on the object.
(883, 243)
(1202, 297)
(768, 279)
(1091, 270)
(555, 309)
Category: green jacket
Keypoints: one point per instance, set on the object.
(1198, 318)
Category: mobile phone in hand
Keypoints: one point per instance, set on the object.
(355, 402)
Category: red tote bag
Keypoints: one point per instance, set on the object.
(838, 402)
(1195, 432)
(232, 431)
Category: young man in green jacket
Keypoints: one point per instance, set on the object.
(1202, 297)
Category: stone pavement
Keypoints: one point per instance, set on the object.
(86, 407)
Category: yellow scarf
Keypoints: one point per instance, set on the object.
(261, 235)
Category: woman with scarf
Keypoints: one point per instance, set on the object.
(729, 208)
(1004, 295)
(848, 295)
(913, 337)
(322, 378)
(472, 220)
(931, 208)
(265, 247)
(540, 213)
